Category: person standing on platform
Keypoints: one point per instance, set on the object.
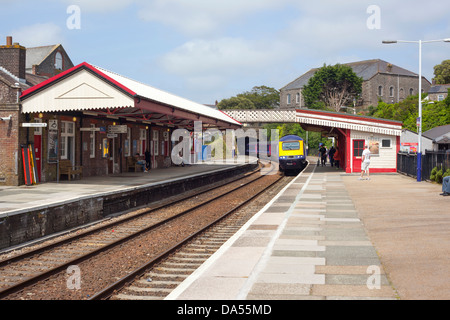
(446, 186)
(331, 155)
(323, 154)
(365, 162)
(336, 157)
(147, 160)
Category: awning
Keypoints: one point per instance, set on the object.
(96, 91)
(320, 118)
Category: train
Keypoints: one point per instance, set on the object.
(291, 153)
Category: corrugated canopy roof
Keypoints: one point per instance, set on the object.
(79, 89)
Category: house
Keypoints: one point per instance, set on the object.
(47, 61)
(438, 92)
(436, 139)
(381, 81)
(440, 136)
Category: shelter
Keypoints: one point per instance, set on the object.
(99, 120)
(352, 132)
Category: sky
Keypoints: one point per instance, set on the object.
(209, 50)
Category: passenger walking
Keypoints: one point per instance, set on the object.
(323, 154)
(446, 186)
(365, 162)
(331, 155)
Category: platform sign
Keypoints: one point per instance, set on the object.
(117, 129)
(34, 125)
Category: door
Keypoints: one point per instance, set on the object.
(358, 148)
(38, 147)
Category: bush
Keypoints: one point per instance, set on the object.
(439, 175)
(433, 174)
(447, 173)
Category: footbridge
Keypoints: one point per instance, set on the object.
(261, 116)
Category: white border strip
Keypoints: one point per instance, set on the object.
(213, 258)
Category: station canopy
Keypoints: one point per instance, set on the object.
(326, 121)
(98, 92)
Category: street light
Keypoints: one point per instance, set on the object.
(419, 147)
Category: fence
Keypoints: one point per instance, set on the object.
(407, 163)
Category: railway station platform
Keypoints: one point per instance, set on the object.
(330, 236)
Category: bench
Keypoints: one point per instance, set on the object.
(66, 167)
(133, 165)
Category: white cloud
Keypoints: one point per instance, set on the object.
(202, 17)
(225, 55)
(38, 35)
(99, 5)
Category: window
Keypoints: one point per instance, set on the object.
(391, 91)
(58, 61)
(128, 143)
(294, 145)
(358, 148)
(92, 142)
(380, 90)
(289, 98)
(441, 97)
(155, 142)
(67, 139)
(297, 98)
(411, 91)
(385, 143)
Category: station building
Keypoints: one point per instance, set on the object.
(98, 120)
(352, 133)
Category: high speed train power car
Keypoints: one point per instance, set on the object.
(291, 153)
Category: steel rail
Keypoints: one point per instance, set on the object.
(27, 282)
(121, 283)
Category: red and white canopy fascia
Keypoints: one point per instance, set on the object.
(97, 91)
(348, 121)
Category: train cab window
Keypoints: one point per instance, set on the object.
(291, 145)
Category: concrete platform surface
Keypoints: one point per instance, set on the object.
(328, 235)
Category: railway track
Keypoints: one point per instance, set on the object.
(22, 272)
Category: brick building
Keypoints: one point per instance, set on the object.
(46, 61)
(15, 77)
(381, 81)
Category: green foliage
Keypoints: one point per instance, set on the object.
(333, 86)
(260, 97)
(442, 72)
(446, 173)
(434, 114)
(439, 175)
(236, 103)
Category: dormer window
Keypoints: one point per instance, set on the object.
(58, 61)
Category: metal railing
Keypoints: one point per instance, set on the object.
(407, 163)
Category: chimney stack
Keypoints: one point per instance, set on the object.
(12, 58)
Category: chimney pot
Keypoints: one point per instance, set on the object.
(9, 41)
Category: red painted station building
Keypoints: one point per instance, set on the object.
(352, 133)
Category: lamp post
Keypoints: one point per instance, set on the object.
(419, 146)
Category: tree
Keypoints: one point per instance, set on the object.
(260, 97)
(442, 72)
(236, 103)
(333, 86)
(434, 114)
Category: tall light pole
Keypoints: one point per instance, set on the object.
(419, 146)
